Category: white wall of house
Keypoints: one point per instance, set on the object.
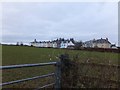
(63, 45)
(45, 44)
(94, 45)
(41, 45)
(103, 45)
(48, 44)
(88, 44)
(38, 44)
(66, 44)
(51, 44)
(35, 44)
(97, 44)
(54, 45)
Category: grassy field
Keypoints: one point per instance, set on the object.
(24, 55)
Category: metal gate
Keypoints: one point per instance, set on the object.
(57, 74)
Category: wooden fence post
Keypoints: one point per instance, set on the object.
(58, 76)
(59, 67)
(64, 58)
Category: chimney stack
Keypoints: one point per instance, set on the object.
(107, 39)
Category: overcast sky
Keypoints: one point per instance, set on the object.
(47, 21)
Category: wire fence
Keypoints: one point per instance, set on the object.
(89, 75)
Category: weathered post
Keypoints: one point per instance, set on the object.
(64, 58)
(59, 70)
(58, 76)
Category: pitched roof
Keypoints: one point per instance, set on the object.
(101, 41)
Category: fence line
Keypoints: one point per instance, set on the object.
(98, 78)
(100, 64)
(106, 75)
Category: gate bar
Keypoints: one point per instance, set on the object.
(22, 80)
(45, 86)
(27, 65)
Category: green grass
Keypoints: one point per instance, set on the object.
(24, 55)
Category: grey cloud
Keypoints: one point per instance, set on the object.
(45, 21)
